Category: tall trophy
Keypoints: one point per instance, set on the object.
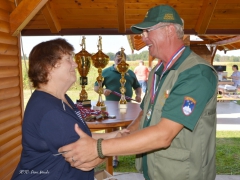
(122, 68)
(83, 59)
(100, 61)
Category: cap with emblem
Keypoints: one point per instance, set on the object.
(155, 15)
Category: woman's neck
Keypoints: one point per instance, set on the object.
(56, 92)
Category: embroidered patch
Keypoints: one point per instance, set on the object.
(168, 17)
(188, 105)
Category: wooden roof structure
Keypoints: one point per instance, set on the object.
(217, 22)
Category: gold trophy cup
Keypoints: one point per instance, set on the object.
(83, 59)
(100, 61)
(122, 68)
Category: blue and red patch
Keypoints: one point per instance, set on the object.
(188, 105)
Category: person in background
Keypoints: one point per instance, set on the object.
(235, 76)
(50, 116)
(112, 83)
(175, 133)
(141, 73)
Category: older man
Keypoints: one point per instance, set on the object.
(178, 117)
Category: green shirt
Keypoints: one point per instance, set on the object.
(197, 83)
(112, 81)
(193, 89)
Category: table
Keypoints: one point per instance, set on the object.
(228, 95)
(121, 120)
(225, 83)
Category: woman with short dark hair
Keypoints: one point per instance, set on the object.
(50, 116)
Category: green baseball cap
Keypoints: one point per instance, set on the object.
(155, 15)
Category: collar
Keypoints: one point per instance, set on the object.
(180, 60)
(112, 68)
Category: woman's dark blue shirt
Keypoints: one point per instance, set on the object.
(48, 124)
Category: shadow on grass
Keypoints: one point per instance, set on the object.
(227, 158)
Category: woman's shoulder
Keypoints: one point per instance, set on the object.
(39, 97)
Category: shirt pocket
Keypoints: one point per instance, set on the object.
(172, 164)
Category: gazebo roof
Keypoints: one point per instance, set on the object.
(215, 21)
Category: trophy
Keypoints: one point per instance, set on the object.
(83, 59)
(122, 68)
(100, 60)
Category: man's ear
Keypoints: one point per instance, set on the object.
(171, 30)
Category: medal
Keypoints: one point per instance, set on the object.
(149, 113)
(167, 93)
(156, 85)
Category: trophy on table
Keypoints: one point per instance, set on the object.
(100, 61)
(83, 59)
(122, 68)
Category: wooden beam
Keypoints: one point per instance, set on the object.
(110, 31)
(121, 16)
(227, 46)
(130, 42)
(213, 52)
(228, 41)
(23, 13)
(205, 16)
(200, 42)
(51, 18)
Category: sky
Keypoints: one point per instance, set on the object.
(111, 43)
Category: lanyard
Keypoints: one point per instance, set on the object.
(154, 81)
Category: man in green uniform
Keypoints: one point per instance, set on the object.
(178, 118)
(112, 82)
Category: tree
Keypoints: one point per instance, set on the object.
(111, 55)
(236, 59)
(217, 58)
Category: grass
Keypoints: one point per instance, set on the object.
(227, 155)
(228, 152)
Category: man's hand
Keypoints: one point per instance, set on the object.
(82, 151)
(138, 99)
(107, 92)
